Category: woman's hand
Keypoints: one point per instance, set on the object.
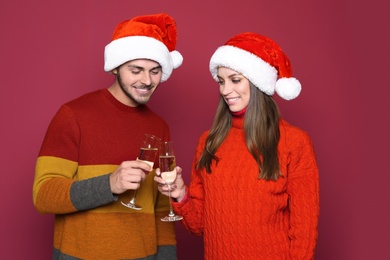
(178, 188)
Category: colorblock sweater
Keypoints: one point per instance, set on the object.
(86, 141)
(242, 217)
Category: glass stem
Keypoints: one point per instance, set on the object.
(132, 201)
(171, 214)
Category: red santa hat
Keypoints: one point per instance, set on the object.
(261, 61)
(144, 37)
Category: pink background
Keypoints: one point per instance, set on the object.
(52, 51)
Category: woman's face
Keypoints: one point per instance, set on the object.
(234, 88)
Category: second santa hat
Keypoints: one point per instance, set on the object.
(261, 61)
(144, 37)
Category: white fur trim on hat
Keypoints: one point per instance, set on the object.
(257, 71)
(130, 48)
(288, 88)
(177, 59)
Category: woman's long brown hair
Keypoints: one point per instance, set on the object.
(261, 126)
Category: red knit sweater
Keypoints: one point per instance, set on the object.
(242, 217)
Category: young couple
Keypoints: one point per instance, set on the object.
(254, 191)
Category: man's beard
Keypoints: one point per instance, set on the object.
(139, 101)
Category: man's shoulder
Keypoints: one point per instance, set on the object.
(86, 97)
(89, 101)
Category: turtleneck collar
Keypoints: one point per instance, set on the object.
(238, 118)
(240, 113)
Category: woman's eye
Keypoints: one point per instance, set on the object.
(236, 81)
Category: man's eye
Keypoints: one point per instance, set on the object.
(135, 72)
(155, 72)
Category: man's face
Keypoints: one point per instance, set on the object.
(138, 80)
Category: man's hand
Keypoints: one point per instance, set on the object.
(128, 176)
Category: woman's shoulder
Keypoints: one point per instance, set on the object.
(292, 134)
(202, 139)
(204, 135)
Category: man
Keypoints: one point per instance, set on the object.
(86, 165)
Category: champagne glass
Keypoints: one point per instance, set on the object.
(167, 162)
(147, 154)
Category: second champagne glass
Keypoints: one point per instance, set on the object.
(167, 162)
(147, 154)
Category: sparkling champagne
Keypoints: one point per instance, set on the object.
(147, 155)
(167, 168)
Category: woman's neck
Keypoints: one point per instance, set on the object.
(240, 113)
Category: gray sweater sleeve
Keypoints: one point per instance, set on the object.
(92, 193)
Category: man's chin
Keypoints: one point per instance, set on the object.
(143, 101)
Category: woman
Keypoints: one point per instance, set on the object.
(254, 191)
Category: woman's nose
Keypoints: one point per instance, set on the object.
(226, 89)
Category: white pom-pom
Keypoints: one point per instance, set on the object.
(177, 59)
(288, 88)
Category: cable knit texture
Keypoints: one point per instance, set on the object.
(242, 217)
